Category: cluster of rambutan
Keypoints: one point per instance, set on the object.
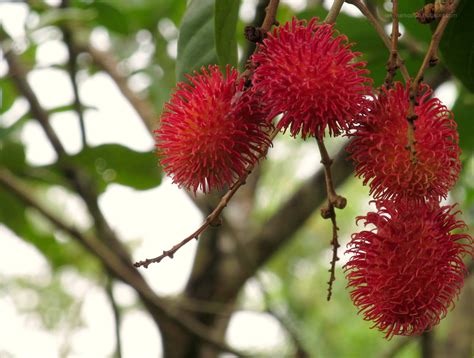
(408, 269)
(216, 127)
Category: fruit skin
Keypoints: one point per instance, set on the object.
(405, 273)
(211, 130)
(379, 147)
(309, 74)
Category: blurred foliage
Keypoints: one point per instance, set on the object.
(208, 35)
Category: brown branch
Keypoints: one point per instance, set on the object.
(334, 11)
(270, 15)
(392, 63)
(211, 219)
(114, 264)
(328, 212)
(381, 32)
(430, 60)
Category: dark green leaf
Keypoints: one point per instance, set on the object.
(12, 156)
(226, 14)
(110, 17)
(196, 45)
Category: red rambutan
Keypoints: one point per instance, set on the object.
(407, 271)
(380, 151)
(210, 131)
(309, 75)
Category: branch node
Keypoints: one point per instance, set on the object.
(434, 61)
(326, 211)
(339, 202)
(254, 34)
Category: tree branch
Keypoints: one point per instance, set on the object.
(159, 308)
(334, 11)
(392, 63)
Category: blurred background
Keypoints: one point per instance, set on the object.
(82, 196)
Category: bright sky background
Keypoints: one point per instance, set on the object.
(165, 216)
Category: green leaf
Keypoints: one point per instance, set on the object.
(8, 94)
(226, 14)
(12, 156)
(463, 112)
(113, 163)
(110, 17)
(196, 45)
(457, 44)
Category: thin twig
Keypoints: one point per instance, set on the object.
(211, 218)
(334, 11)
(392, 63)
(381, 32)
(72, 70)
(115, 264)
(328, 212)
(117, 317)
(430, 60)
